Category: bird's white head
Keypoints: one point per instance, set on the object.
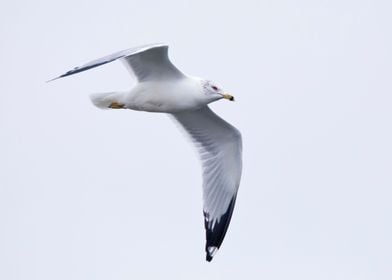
(213, 92)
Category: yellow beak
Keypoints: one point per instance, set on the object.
(228, 96)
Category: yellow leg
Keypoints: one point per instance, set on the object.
(115, 105)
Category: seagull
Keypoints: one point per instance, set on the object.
(162, 88)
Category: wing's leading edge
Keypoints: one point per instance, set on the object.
(147, 62)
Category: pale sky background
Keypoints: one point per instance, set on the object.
(91, 194)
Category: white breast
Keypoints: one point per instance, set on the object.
(169, 96)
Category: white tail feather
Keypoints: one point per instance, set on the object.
(103, 100)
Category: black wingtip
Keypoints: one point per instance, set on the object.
(51, 80)
(62, 76)
(216, 233)
(77, 70)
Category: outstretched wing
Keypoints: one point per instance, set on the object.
(149, 62)
(220, 148)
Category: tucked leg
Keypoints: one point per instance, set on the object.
(115, 105)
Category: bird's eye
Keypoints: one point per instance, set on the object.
(214, 88)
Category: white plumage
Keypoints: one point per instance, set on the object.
(163, 88)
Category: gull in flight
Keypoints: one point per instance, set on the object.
(163, 88)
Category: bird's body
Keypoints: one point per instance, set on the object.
(163, 88)
(161, 96)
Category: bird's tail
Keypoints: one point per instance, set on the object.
(108, 100)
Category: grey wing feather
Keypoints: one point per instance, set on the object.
(220, 148)
(153, 64)
(147, 62)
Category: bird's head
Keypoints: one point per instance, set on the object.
(213, 92)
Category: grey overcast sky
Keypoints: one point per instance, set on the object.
(91, 194)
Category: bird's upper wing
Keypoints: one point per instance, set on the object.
(220, 148)
(149, 62)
